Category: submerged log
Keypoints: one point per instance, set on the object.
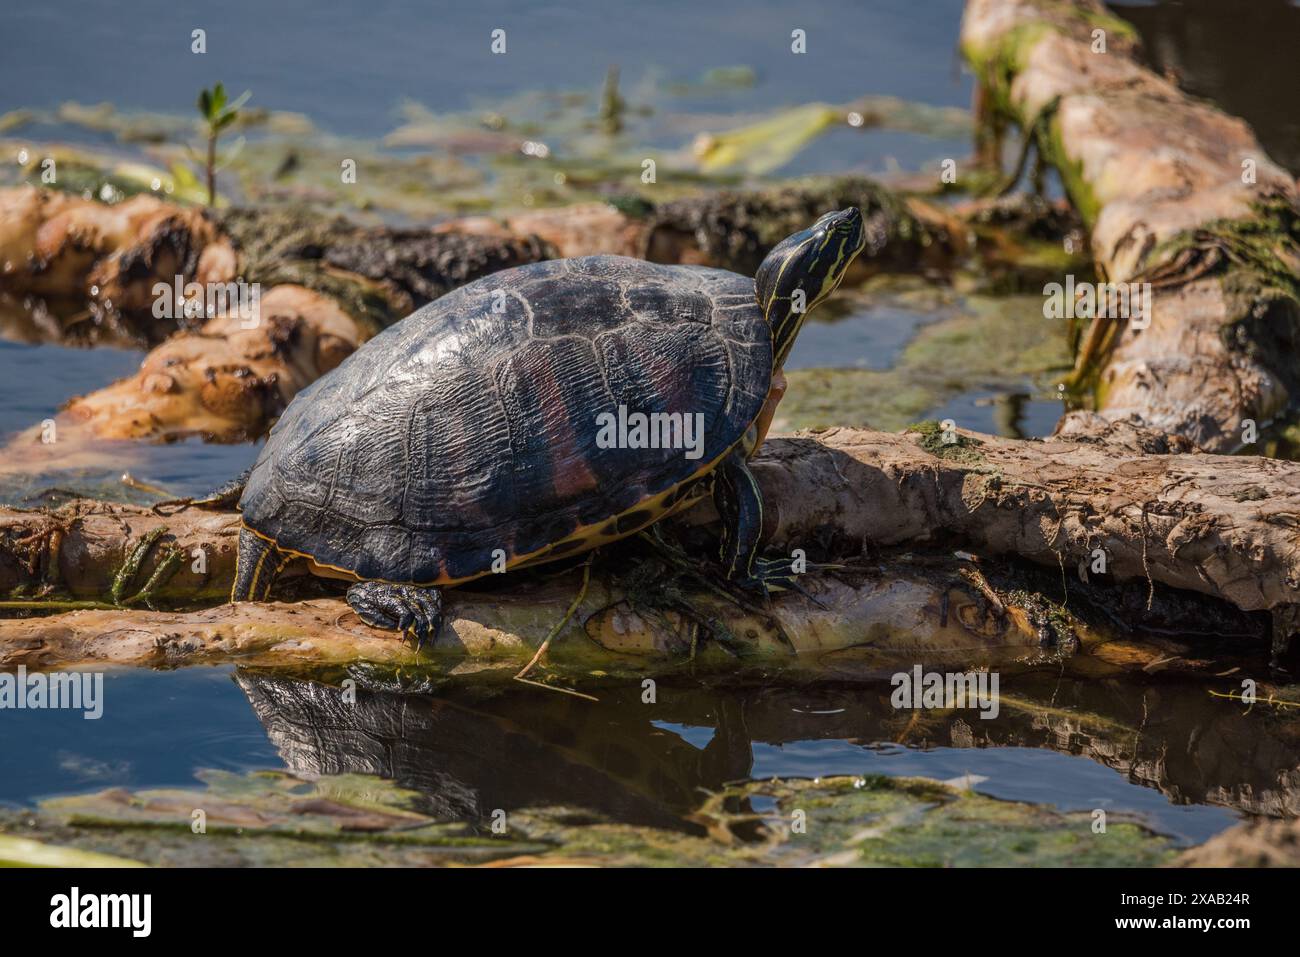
(1176, 194)
(1128, 510)
(226, 381)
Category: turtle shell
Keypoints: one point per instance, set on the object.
(475, 424)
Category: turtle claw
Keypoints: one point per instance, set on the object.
(772, 576)
(408, 609)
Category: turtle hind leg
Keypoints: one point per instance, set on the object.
(256, 567)
(740, 504)
(409, 609)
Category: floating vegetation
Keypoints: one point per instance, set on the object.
(536, 148)
(948, 356)
(275, 818)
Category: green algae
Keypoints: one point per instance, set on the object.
(975, 343)
(957, 448)
(910, 822)
(263, 818)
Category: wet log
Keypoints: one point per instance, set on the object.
(734, 229)
(61, 244)
(1126, 509)
(1178, 195)
(226, 381)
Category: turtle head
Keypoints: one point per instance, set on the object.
(804, 269)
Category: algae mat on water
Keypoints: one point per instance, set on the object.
(275, 818)
(970, 343)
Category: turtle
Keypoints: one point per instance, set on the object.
(533, 415)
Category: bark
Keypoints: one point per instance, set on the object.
(902, 616)
(1223, 527)
(60, 245)
(1175, 193)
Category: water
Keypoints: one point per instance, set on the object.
(36, 380)
(349, 69)
(156, 730)
(1011, 413)
(848, 333)
(1241, 55)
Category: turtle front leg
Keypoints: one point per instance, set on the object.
(409, 609)
(740, 503)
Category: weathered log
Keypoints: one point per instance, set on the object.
(1176, 194)
(1221, 527)
(734, 229)
(908, 614)
(111, 256)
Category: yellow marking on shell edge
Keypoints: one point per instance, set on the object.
(584, 533)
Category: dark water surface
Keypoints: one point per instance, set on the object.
(1240, 54)
(36, 380)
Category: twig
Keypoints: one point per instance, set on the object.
(546, 643)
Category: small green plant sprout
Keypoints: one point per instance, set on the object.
(217, 114)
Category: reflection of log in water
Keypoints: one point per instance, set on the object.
(476, 750)
(468, 762)
(1231, 54)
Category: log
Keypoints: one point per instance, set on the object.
(1220, 527)
(1176, 194)
(106, 259)
(57, 244)
(226, 381)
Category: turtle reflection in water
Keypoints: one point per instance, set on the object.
(469, 430)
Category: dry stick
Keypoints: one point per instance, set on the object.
(541, 649)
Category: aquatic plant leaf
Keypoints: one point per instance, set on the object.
(24, 852)
(766, 145)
